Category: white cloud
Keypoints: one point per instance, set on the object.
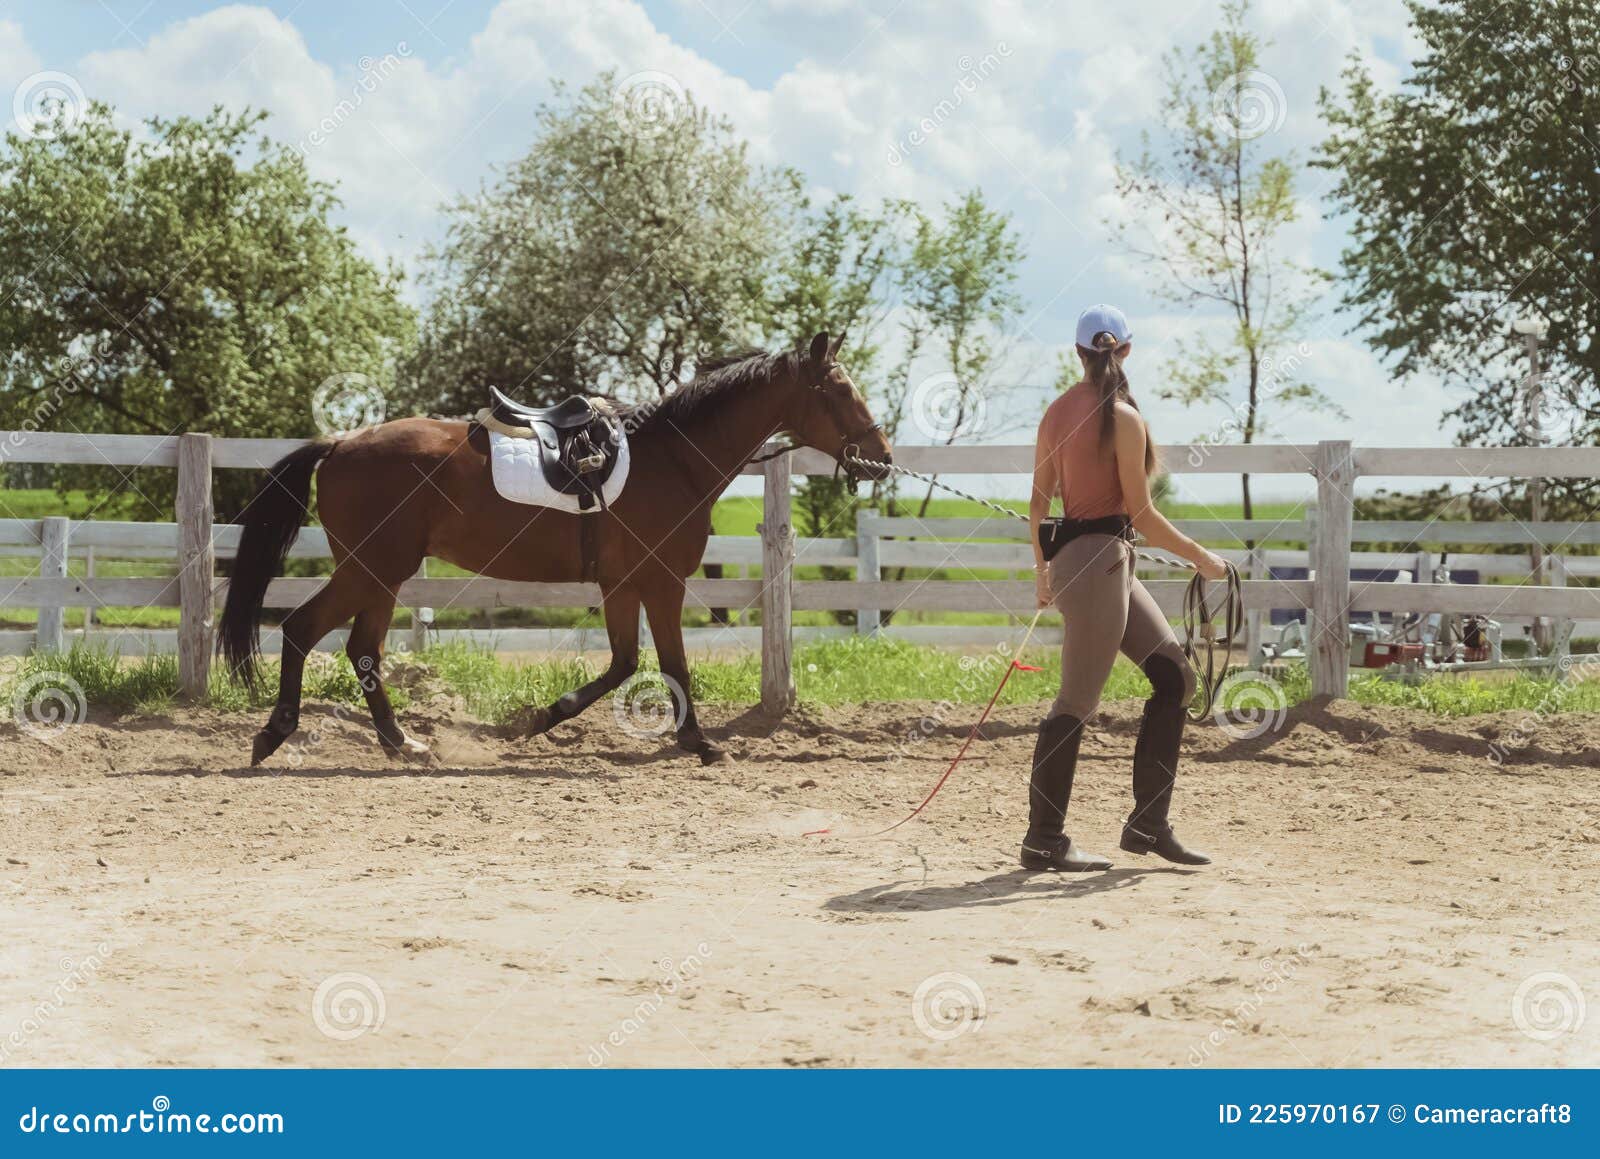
(17, 60)
(1030, 101)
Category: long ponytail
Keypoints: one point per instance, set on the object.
(1104, 372)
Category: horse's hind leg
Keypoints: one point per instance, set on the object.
(365, 649)
(335, 602)
(665, 608)
(622, 629)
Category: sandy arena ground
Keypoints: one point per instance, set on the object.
(1382, 894)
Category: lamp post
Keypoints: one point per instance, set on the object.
(1531, 330)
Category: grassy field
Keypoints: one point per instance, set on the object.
(835, 672)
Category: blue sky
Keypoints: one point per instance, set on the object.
(831, 86)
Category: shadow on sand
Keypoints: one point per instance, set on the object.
(1001, 889)
(267, 772)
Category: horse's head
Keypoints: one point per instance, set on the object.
(832, 416)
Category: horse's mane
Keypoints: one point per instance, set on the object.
(714, 379)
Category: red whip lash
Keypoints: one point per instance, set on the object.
(1015, 666)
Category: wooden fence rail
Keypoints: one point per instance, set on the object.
(1329, 533)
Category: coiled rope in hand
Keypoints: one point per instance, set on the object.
(1199, 620)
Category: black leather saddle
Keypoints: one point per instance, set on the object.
(578, 442)
(576, 411)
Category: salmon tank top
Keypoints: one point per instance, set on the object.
(1090, 488)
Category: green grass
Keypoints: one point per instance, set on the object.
(833, 672)
(25, 503)
(149, 684)
(1469, 696)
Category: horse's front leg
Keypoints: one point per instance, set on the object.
(622, 627)
(664, 606)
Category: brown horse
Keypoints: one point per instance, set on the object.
(391, 495)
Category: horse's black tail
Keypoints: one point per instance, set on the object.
(271, 522)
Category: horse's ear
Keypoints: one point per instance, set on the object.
(833, 353)
(819, 348)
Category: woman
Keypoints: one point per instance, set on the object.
(1095, 452)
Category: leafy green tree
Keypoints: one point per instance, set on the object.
(961, 309)
(629, 241)
(185, 279)
(1470, 194)
(1210, 202)
(838, 274)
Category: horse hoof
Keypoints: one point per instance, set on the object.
(532, 722)
(408, 749)
(711, 756)
(266, 743)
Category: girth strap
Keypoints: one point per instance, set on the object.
(588, 549)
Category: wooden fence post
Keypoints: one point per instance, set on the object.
(197, 565)
(1311, 572)
(777, 579)
(88, 574)
(1256, 569)
(867, 569)
(421, 618)
(1330, 594)
(1561, 628)
(54, 531)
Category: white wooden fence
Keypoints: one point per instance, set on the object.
(881, 543)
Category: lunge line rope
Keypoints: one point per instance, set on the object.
(1016, 665)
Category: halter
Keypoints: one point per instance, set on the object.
(847, 459)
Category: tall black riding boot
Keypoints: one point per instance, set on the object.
(1055, 761)
(1155, 766)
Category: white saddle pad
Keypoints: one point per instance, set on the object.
(518, 477)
